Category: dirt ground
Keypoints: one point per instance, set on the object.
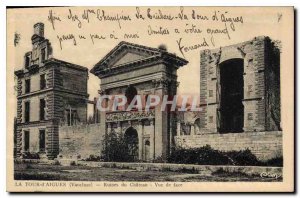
(85, 173)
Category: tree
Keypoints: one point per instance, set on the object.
(115, 148)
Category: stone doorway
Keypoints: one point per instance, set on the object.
(231, 96)
(132, 141)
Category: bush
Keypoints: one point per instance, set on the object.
(242, 158)
(159, 160)
(207, 156)
(56, 162)
(276, 161)
(73, 163)
(93, 158)
(115, 149)
(203, 156)
(28, 155)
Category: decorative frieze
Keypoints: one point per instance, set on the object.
(132, 115)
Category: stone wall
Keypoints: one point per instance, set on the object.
(265, 145)
(80, 140)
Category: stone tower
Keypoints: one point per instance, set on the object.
(240, 87)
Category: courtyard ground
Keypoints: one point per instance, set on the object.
(85, 173)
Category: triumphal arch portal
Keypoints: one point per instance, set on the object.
(130, 70)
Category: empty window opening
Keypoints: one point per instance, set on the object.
(27, 111)
(72, 117)
(42, 81)
(27, 85)
(43, 54)
(26, 141)
(27, 61)
(42, 109)
(42, 138)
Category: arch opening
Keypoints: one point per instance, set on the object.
(231, 96)
(132, 142)
(197, 126)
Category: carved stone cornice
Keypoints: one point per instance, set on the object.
(161, 83)
(102, 92)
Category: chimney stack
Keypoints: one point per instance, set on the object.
(39, 29)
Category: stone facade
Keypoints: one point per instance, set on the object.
(143, 71)
(49, 94)
(259, 61)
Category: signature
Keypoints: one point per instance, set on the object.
(270, 175)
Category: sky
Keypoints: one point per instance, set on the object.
(251, 22)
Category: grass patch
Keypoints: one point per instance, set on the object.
(35, 176)
(180, 170)
(224, 173)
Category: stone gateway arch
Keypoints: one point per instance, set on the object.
(131, 69)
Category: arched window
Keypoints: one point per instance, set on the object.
(130, 93)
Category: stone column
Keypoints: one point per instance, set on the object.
(192, 129)
(109, 127)
(178, 128)
(152, 139)
(102, 116)
(162, 128)
(141, 135)
(119, 128)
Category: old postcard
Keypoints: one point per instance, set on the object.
(150, 99)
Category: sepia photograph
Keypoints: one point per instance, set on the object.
(150, 99)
